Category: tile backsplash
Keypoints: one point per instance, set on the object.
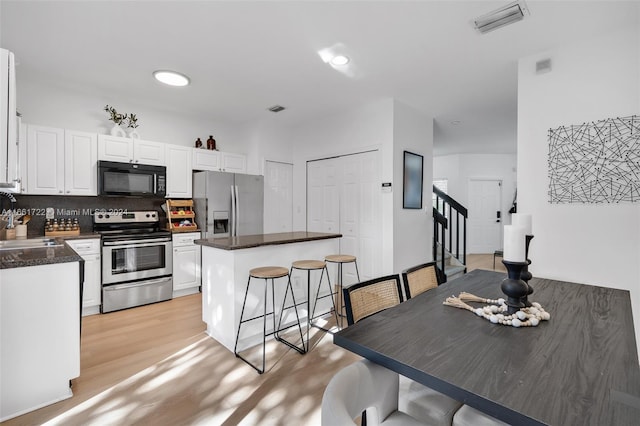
(81, 208)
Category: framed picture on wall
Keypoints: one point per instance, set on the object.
(412, 181)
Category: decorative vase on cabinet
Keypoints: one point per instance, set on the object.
(116, 130)
(133, 134)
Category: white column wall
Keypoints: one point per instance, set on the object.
(587, 243)
(413, 229)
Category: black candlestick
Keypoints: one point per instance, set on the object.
(513, 286)
(526, 275)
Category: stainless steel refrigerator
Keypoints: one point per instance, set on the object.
(228, 204)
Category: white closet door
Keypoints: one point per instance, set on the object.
(323, 196)
(343, 195)
(278, 197)
(350, 206)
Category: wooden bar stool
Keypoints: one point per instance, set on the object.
(269, 273)
(313, 265)
(341, 259)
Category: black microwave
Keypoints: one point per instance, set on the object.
(130, 179)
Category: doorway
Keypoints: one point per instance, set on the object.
(485, 215)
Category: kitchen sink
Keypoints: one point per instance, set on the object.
(30, 243)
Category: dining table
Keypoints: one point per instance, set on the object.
(578, 368)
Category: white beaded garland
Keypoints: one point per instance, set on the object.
(495, 312)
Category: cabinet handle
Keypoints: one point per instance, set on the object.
(68, 191)
(59, 192)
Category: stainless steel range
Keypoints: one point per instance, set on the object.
(136, 259)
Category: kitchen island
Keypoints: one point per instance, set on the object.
(40, 302)
(226, 263)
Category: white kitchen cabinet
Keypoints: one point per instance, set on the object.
(127, 150)
(147, 152)
(80, 163)
(218, 161)
(89, 249)
(179, 181)
(204, 159)
(233, 163)
(45, 160)
(61, 161)
(186, 264)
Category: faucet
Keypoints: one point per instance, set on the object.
(11, 210)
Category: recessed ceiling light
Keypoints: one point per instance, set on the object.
(171, 78)
(340, 60)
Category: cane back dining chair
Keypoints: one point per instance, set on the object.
(369, 297)
(420, 278)
(420, 402)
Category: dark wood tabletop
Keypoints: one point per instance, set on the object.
(578, 368)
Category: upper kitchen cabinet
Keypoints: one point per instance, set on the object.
(61, 162)
(217, 161)
(126, 150)
(234, 163)
(179, 170)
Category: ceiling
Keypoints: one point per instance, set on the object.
(244, 56)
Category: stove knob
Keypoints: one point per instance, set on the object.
(148, 215)
(153, 215)
(107, 216)
(100, 216)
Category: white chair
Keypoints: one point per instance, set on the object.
(363, 386)
(425, 404)
(468, 416)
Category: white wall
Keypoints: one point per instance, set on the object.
(587, 243)
(389, 127)
(268, 140)
(356, 130)
(45, 104)
(413, 229)
(458, 169)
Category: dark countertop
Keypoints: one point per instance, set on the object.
(248, 241)
(23, 257)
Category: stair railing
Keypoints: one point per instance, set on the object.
(449, 215)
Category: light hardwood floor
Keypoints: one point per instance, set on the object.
(155, 365)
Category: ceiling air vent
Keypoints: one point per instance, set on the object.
(276, 108)
(513, 12)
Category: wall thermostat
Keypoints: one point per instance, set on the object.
(386, 186)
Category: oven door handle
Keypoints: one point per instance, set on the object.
(136, 284)
(136, 243)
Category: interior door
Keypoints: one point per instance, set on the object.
(323, 195)
(485, 221)
(278, 197)
(343, 195)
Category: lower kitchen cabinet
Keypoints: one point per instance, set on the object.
(89, 249)
(186, 264)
